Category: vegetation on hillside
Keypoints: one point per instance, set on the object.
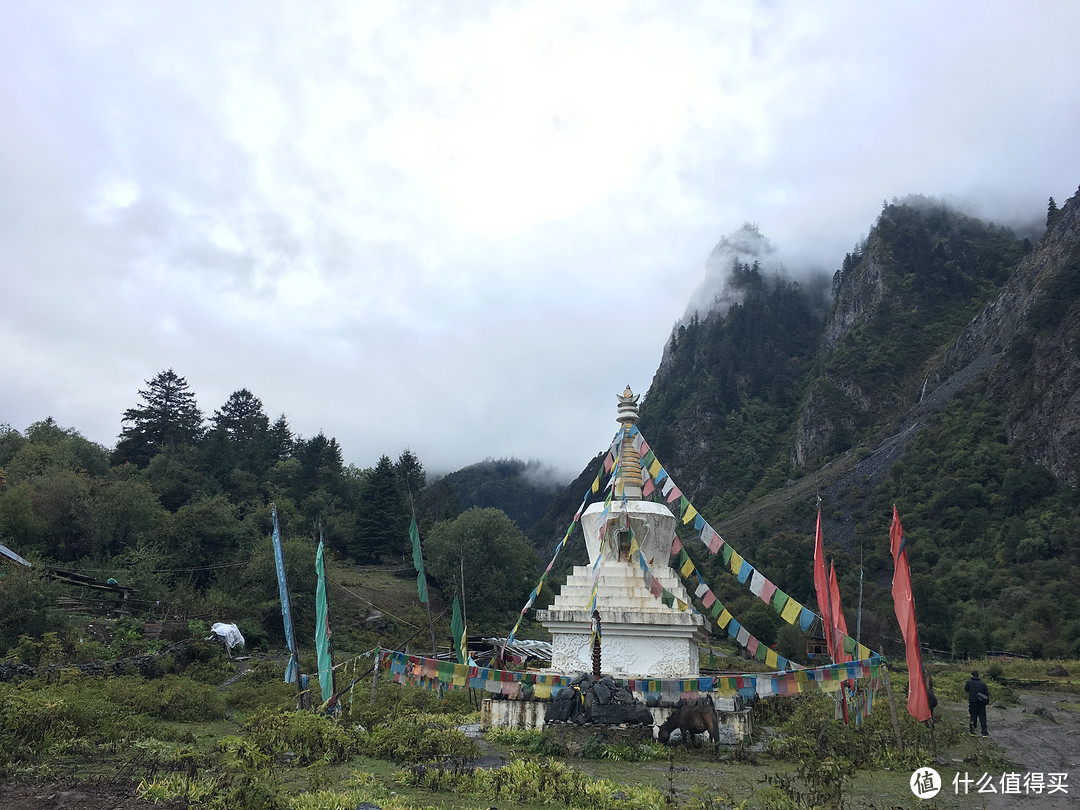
(992, 541)
(734, 382)
(180, 510)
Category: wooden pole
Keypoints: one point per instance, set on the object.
(892, 708)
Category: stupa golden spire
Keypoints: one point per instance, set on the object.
(628, 482)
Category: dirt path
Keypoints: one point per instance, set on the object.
(1039, 736)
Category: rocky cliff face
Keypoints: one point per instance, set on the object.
(836, 405)
(859, 296)
(1031, 334)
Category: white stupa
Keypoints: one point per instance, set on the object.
(642, 637)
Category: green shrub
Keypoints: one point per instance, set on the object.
(813, 726)
(169, 698)
(248, 695)
(419, 738)
(532, 782)
(531, 741)
(38, 722)
(312, 737)
(245, 781)
(393, 701)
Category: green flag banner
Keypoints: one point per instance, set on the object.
(323, 647)
(418, 561)
(457, 630)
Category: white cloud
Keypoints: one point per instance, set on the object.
(427, 224)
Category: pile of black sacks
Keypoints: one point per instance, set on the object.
(588, 700)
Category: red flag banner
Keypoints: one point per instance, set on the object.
(838, 621)
(904, 603)
(821, 585)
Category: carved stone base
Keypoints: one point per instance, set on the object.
(627, 655)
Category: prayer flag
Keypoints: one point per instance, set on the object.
(715, 541)
(839, 652)
(691, 513)
(767, 591)
(745, 570)
(821, 584)
(418, 561)
(791, 611)
(757, 582)
(735, 562)
(904, 604)
(292, 669)
(457, 630)
(324, 647)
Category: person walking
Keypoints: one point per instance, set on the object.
(978, 696)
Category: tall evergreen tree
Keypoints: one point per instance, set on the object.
(242, 418)
(280, 440)
(411, 472)
(239, 437)
(1052, 212)
(382, 524)
(168, 415)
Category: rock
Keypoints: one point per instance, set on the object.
(602, 692)
(1058, 671)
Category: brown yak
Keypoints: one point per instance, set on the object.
(691, 718)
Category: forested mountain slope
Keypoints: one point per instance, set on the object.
(942, 378)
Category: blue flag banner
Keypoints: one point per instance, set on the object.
(293, 667)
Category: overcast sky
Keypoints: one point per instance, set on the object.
(464, 227)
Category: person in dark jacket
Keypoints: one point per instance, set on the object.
(978, 696)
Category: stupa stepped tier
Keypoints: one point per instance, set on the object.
(641, 636)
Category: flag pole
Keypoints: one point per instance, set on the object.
(464, 612)
(858, 619)
(892, 708)
(431, 624)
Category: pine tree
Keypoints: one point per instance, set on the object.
(238, 438)
(168, 415)
(1052, 213)
(242, 418)
(411, 472)
(382, 523)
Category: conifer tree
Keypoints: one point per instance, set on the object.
(411, 472)
(382, 523)
(1052, 213)
(168, 415)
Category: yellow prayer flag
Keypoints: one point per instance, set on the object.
(655, 468)
(864, 652)
(792, 609)
(723, 619)
(542, 691)
(691, 513)
(736, 562)
(596, 484)
(771, 659)
(687, 567)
